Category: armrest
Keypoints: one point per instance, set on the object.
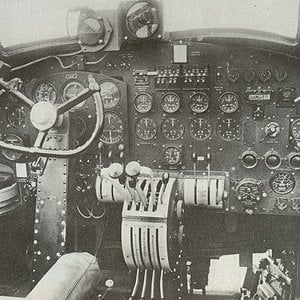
(73, 276)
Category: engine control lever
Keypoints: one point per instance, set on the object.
(133, 170)
(165, 179)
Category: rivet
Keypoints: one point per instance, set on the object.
(35, 242)
(58, 254)
(36, 231)
(63, 244)
(36, 221)
(48, 257)
(39, 253)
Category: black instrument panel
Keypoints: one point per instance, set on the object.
(235, 104)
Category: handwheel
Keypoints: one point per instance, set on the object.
(45, 115)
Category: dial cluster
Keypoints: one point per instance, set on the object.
(174, 125)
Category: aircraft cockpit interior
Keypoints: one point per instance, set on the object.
(145, 144)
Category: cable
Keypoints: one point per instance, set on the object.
(48, 57)
(97, 61)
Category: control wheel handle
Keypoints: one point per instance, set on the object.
(45, 116)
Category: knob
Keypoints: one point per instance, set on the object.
(272, 161)
(295, 161)
(133, 169)
(272, 129)
(115, 170)
(249, 159)
(165, 178)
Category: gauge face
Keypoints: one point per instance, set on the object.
(170, 103)
(71, 90)
(229, 102)
(16, 117)
(143, 103)
(199, 103)
(172, 155)
(113, 128)
(142, 20)
(146, 129)
(110, 94)
(200, 129)
(80, 127)
(172, 129)
(295, 129)
(233, 75)
(249, 192)
(45, 91)
(15, 140)
(282, 182)
(229, 129)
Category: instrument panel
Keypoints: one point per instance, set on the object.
(228, 109)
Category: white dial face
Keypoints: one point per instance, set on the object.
(170, 103)
(113, 128)
(229, 102)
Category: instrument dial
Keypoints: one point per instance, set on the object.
(249, 192)
(295, 129)
(16, 117)
(172, 129)
(110, 94)
(143, 103)
(10, 154)
(282, 182)
(146, 129)
(170, 103)
(45, 91)
(80, 127)
(172, 155)
(200, 129)
(113, 128)
(71, 90)
(229, 129)
(199, 102)
(233, 75)
(229, 102)
(142, 20)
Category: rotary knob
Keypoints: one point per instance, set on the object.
(115, 170)
(272, 129)
(133, 169)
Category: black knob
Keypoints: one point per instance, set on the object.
(165, 178)
(295, 161)
(249, 160)
(273, 161)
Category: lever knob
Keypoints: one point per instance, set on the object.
(133, 169)
(115, 170)
(165, 177)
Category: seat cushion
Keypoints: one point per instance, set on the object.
(73, 276)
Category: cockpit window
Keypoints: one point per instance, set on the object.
(23, 21)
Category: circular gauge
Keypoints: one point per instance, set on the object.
(71, 90)
(142, 20)
(282, 182)
(172, 155)
(80, 127)
(172, 129)
(249, 192)
(199, 102)
(295, 129)
(170, 103)
(45, 91)
(146, 129)
(113, 128)
(229, 102)
(143, 103)
(200, 129)
(233, 75)
(229, 129)
(110, 94)
(15, 140)
(16, 116)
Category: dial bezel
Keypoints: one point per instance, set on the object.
(36, 88)
(143, 138)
